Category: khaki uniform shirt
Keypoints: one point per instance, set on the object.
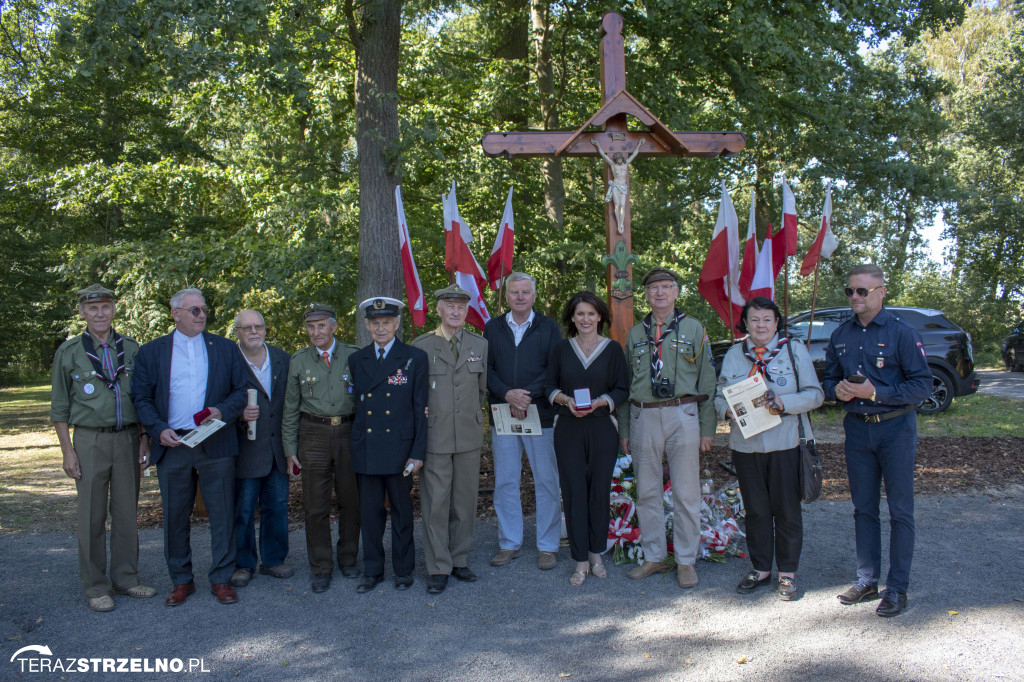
(458, 390)
(686, 358)
(81, 398)
(315, 388)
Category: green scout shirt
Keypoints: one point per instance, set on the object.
(315, 388)
(686, 355)
(81, 398)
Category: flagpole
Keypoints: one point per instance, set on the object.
(814, 298)
(728, 298)
(785, 294)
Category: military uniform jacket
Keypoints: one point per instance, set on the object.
(81, 398)
(458, 390)
(686, 358)
(390, 426)
(256, 457)
(315, 388)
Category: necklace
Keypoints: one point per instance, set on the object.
(588, 349)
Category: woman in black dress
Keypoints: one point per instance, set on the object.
(586, 437)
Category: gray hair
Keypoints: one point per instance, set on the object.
(868, 269)
(248, 310)
(522, 277)
(180, 296)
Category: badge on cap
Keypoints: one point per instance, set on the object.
(378, 304)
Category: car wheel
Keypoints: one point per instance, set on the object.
(942, 394)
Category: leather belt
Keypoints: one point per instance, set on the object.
(671, 403)
(879, 417)
(331, 421)
(108, 429)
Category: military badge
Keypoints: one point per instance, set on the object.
(89, 389)
(879, 362)
(398, 380)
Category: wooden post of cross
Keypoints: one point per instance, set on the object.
(615, 136)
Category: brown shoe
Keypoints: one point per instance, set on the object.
(649, 568)
(505, 556)
(223, 593)
(546, 560)
(686, 576)
(101, 604)
(138, 592)
(179, 594)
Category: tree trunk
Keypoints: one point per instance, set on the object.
(375, 30)
(551, 167)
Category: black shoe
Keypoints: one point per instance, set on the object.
(857, 593)
(321, 582)
(241, 577)
(403, 582)
(464, 574)
(281, 571)
(752, 582)
(892, 603)
(788, 591)
(368, 583)
(350, 572)
(435, 584)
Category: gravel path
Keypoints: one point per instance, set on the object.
(1002, 383)
(519, 623)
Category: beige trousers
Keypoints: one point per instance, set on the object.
(449, 484)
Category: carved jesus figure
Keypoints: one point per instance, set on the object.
(619, 186)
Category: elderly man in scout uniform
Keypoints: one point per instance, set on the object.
(451, 473)
(316, 427)
(389, 439)
(91, 390)
(668, 416)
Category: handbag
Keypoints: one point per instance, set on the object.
(810, 462)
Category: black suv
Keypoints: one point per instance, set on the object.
(947, 346)
(1013, 349)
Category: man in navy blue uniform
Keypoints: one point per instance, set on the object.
(875, 366)
(389, 439)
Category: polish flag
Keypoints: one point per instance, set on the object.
(721, 267)
(764, 277)
(789, 228)
(500, 263)
(749, 252)
(825, 243)
(460, 260)
(413, 286)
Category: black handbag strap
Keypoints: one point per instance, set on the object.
(799, 417)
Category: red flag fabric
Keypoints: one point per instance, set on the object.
(477, 314)
(789, 228)
(413, 286)
(764, 277)
(749, 253)
(458, 257)
(825, 242)
(500, 262)
(720, 271)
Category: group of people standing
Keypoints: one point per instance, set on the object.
(356, 423)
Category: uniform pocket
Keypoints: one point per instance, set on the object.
(88, 387)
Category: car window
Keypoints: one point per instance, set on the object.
(824, 325)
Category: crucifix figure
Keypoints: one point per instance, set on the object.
(616, 138)
(618, 188)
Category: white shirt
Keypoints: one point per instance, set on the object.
(387, 349)
(320, 351)
(189, 369)
(518, 330)
(262, 373)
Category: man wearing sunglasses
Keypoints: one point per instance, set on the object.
(181, 380)
(875, 367)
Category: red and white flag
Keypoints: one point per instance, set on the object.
(413, 286)
(720, 274)
(764, 276)
(460, 260)
(749, 252)
(789, 228)
(825, 243)
(500, 263)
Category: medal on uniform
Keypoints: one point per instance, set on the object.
(780, 381)
(89, 389)
(879, 362)
(398, 372)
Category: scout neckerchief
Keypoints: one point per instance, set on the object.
(656, 336)
(760, 362)
(97, 362)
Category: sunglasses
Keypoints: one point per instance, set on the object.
(195, 310)
(860, 291)
(772, 407)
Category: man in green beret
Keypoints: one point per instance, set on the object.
(450, 479)
(92, 392)
(668, 417)
(316, 427)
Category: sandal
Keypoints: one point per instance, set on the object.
(598, 569)
(578, 578)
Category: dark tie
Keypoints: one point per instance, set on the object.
(454, 343)
(380, 356)
(108, 369)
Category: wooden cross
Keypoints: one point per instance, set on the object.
(658, 140)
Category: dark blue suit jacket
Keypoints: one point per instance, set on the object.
(390, 426)
(225, 390)
(256, 457)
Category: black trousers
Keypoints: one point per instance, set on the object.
(586, 449)
(398, 488)
(770, 486)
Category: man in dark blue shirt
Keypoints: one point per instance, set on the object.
(875, 366)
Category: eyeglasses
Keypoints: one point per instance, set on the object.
(860, 291)
(195, 310)
(251, 328)
(660, 288)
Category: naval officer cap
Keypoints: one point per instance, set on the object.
(381, 306)
(660, 275)
(318, 311)
(453, 292)
(94, 294)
